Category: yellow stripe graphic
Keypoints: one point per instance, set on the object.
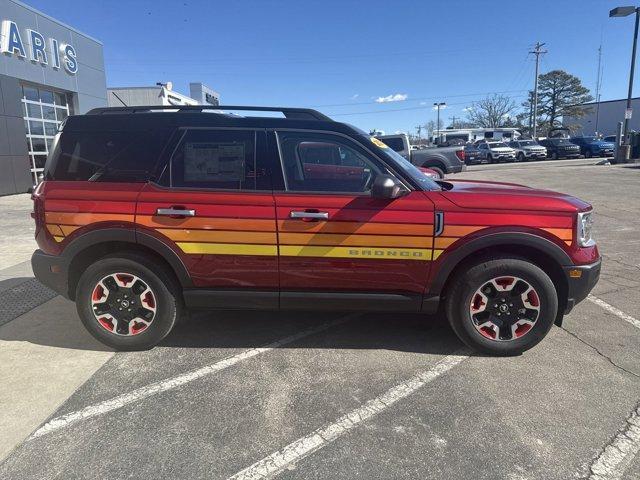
(381, 253)
(228, 249)
(326, 239)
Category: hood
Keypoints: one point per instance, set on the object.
(533, 147)
(502, 149)
(602, 144)
(510, 196)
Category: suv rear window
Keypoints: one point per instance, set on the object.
(102, 156)
(395, 144)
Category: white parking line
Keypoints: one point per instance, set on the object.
(614, 310)
(275, 463)
(174, 382)
(618, 455)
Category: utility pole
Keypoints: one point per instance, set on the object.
(598, 85)
(453, 121)
(537, 51)
(419, 129)
(438, 106)
(625, 149)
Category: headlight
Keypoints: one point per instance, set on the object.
(585, 223)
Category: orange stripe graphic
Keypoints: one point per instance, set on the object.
(460, 230)
(561, 233)
(444, 242)
(354, 240)
(204, 223)
(355, 227)
(180, 235)
(85, 218)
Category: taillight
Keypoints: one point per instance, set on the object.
(460, 155)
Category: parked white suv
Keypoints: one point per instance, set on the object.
(496, 152)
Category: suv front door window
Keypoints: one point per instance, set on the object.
(325, 163)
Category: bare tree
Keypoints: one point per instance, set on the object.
(432, 127)
(492, 111)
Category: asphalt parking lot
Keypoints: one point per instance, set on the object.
(302, 395)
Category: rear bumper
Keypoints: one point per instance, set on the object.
(579, 287)
(52, 271)
(457, 168)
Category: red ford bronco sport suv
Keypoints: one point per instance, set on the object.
(145, 212)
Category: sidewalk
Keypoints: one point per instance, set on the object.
(45, 353)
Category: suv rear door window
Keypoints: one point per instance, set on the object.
(103, 156)
(324, 163)
(217, 159)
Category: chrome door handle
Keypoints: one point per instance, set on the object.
(310, 215)
(176, 212)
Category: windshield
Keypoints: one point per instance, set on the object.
(497, 145)
(528, 143)
(406, 166)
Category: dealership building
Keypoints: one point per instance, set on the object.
(603, 117)
(48, 70)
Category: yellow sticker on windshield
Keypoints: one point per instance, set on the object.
(378, 143)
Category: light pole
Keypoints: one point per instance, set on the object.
(624, 12)
(438, 106)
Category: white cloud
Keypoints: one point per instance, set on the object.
(398, 97)
(423, 103)
(354, 96)
(467, 109)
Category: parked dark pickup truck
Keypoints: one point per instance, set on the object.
(441, 160)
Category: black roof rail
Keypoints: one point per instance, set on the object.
(294, 113)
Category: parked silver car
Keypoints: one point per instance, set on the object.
(528, 150)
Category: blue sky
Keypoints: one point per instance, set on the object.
(340, 56)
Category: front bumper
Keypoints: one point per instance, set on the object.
(52, 271)
(535, 155)
(580, 286)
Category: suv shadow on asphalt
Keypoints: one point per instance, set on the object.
(56, 324)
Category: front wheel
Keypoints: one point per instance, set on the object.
(521, 157)
(588, 154)
(554, 156)
(126, 305)
(502, 306)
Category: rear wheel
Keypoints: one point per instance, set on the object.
(126, 305)
(490, 158)
(588, 153)
(502, 306)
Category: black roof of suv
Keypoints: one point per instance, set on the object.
(139, 118)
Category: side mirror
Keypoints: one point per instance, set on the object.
(387, 186)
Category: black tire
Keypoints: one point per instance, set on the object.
(588, 153)
(168, 301)
(554, 156)
(521, 157)
(489, 158)
(463, 289)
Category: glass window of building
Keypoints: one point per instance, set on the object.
(44, 110)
